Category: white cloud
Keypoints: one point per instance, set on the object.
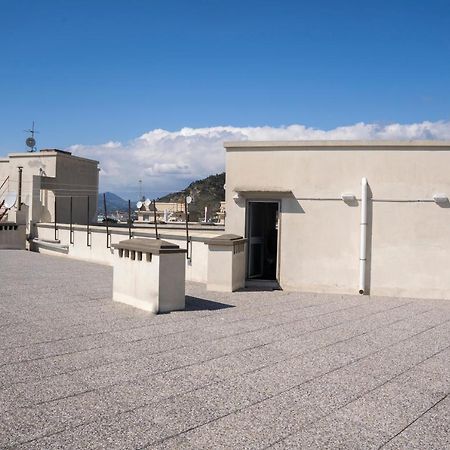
(168, 160)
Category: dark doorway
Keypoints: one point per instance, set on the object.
(262, 234)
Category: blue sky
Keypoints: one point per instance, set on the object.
(91, 72)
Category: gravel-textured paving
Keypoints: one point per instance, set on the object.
(246, 370)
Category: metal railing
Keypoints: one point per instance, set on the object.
(3, 189)
(109, 225)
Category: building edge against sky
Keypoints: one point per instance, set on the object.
(45, 175)
(299, 205)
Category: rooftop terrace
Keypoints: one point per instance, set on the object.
(251, 369)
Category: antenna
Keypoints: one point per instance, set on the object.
(140, 189)
(31, 141)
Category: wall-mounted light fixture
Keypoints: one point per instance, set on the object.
(348, 198)
(236, 196)
(440, 199)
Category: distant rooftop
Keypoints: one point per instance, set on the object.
(57, 150)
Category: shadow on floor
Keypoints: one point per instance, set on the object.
(195, 304)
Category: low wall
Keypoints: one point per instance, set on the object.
(196, 266)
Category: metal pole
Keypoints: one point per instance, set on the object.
(186, 213)
(88, 231)
(56, 229)
(71, 221)
(154, 216)
(106, 220)
(20, 188)
(129, 219)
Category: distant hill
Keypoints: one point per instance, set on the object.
(207, 192)
(113, 203)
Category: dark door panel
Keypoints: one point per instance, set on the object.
(262, 237)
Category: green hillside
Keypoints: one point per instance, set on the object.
(207, 192)
(113, 203)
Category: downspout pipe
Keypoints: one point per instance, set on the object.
(363, 236)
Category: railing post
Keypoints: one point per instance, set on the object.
(186, 214)
(129, 219)
(88, 231)
(20, 188)
(71, 221)
(106, 220)
(154, 218)
(55, 221)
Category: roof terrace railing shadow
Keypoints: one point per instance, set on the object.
(199, 304)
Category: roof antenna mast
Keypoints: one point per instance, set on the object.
(31, 141)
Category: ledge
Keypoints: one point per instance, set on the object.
(341, 145)
(153, 246)
(51, 245)
(136, 232)
(226, 240)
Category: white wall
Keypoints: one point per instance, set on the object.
(196, 268)
(409, 241)
(47, 173)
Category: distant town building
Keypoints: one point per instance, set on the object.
(165, 212)
(220, 215)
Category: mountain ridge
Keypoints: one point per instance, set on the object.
(207, 192)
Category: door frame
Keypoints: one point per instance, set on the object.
(247, 229)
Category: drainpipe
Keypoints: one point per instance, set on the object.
(363, 232)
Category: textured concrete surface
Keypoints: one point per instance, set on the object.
(244, 370)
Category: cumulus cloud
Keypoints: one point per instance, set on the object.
(167, 161)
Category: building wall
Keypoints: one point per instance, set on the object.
(174, 211)
(408, 239)
(49, 173)
(76, 177)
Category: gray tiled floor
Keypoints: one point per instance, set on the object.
(248, 370)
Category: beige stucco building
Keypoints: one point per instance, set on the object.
(165, 212)
(40, 177)
(299, 205)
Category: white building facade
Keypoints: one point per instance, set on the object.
(51, 184)
(299, 206)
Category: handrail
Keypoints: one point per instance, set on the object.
(6, 179)
(2, 202)
(3, 213)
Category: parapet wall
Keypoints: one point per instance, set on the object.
(97, 251)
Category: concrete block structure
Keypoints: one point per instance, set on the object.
(12, 236)
(226, 263)
(311, 226)
(149, 274)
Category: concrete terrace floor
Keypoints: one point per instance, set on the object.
(248, 370)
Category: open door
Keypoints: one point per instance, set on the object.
(262, 234)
